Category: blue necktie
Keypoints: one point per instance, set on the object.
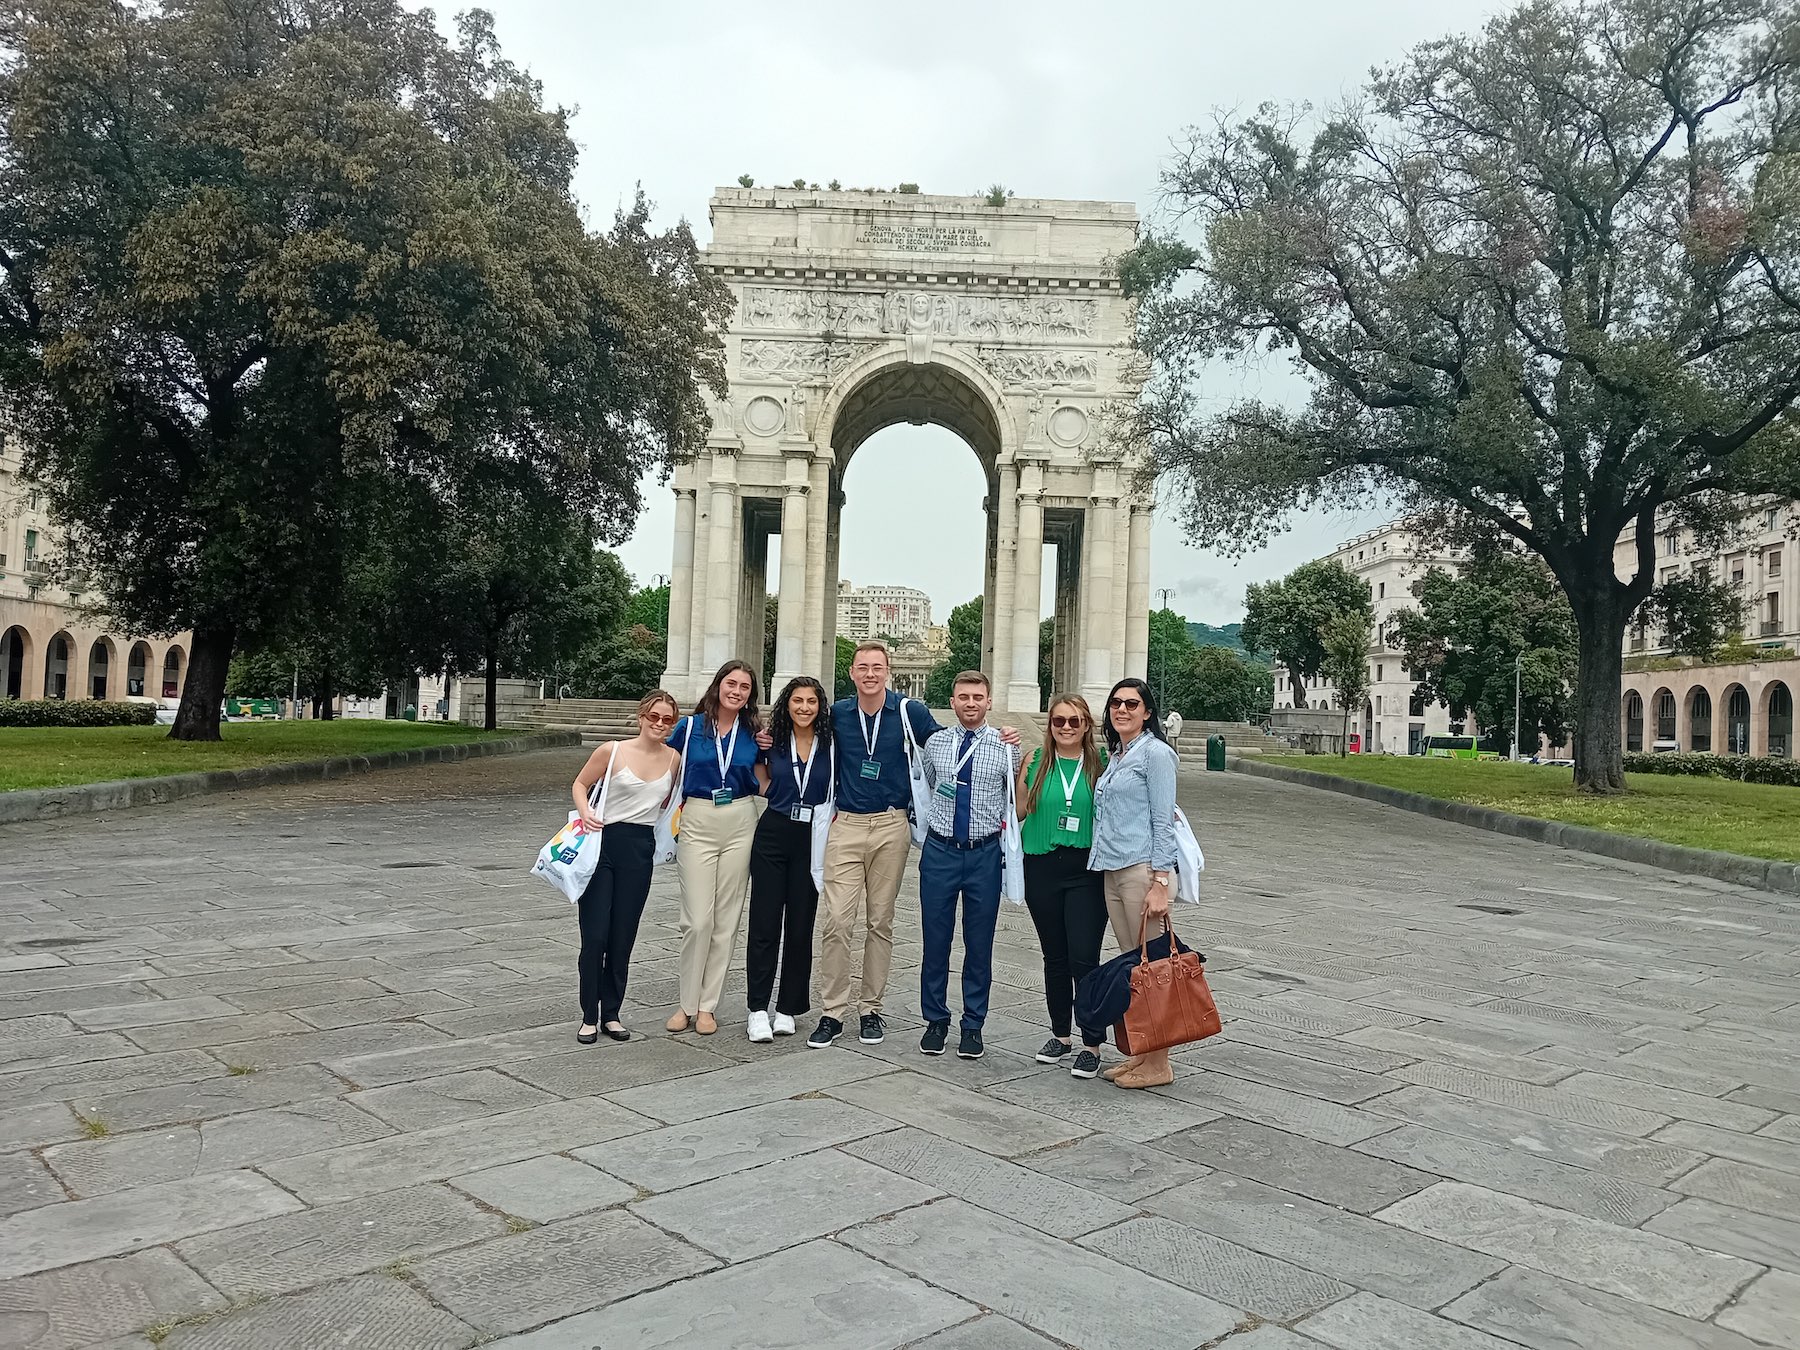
(965, 779)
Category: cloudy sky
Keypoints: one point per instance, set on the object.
(1052, 99)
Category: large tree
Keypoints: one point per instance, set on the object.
(1346, 642)
(1545, 279)
(1288, 618)
(252, 249)
(964, 633)
(1498, 619)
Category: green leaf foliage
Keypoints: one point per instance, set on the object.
(262, 261)
(1287, 619)
(1544, 278)
(1781, 771)
(83, 712)
(964, 633)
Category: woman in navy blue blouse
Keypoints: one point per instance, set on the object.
(719, 789)
(782, 894)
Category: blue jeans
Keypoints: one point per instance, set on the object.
(946, 873)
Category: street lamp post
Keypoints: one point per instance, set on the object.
(1162, 677)
(1518, 667)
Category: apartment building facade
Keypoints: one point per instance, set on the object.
(865, 612)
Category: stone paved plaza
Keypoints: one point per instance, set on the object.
(297, 1069)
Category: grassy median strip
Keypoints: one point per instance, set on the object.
(1748, 818)
(40, 757)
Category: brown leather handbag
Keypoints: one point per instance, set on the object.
(1170, 1002)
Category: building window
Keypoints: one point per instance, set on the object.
(1669, 574)
(1771, 517)
(1737, 571)
(1382, 591)
(1773, 560)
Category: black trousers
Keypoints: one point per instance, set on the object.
(783, 905)
(609, 910)
(1068, 908)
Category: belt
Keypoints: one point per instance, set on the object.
(871, 815)
(962, 846)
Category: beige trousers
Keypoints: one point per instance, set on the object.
(1126, 888)
(864, 859)
(714, 862)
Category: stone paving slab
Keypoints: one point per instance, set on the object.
(820, 1296)
(1769, 1310)
(1370, 1322)
(85, 1304)
(515, 1282)
(1221, 1270)
(1044, 1284)
(1643, 1266)
(1545, 1313)
(372, 1312)
(111, 1225)
(819, 1193)
(1613, 1064)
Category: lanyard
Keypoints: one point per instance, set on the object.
(870, 738)
(794, 762)
(1068, 783)
(723, 751)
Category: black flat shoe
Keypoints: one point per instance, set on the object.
(620, 1035)
(586, 1037)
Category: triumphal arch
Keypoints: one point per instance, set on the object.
(855, 311)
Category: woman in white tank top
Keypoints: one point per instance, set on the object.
(639, 776)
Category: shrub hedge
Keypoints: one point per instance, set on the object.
(1782, 772)
(81, 712)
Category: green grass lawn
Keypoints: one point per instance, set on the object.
(1749, 818)
(35, 757)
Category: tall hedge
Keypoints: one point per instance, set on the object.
(1779, 771)
(56, 712)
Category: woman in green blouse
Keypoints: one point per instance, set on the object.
(1066, 900)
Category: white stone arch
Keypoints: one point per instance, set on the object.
(839, 293)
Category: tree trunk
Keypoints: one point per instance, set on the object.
(1344, 744)
(491, 720)
(1600, 619)
(327, 695)
(209, 659)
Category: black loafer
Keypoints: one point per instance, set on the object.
(586, 1037)
(622, 1034)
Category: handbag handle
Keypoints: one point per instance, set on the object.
(1144, 937)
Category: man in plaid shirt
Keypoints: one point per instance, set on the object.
(969, 769)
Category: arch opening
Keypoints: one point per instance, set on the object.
(137, 670)
(1634, 722)
(1737, 720)
(1662, 703)
(15, 658)
(1778, 715)
(100, 668)
(59, 653)
(1699, 720)
(174, 662)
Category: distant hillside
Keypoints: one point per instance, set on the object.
(1205, 635)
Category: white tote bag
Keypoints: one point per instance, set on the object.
(821, 825)
(915, 771)
(1012, 846)
(567, 862)
(668, 824)
(1190, 862)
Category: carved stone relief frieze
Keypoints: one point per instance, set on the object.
(1033, 318)
(798, 361)
(1042, 369)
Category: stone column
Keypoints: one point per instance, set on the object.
(1022, 694)
(814, 659)
(1137, 594)
(1006, 548)
(681, 591)
(722, 566)
(1098, 671)
(790, 623)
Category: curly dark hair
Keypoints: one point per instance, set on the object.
(1152, 718)
(707, 709)
(781, 722)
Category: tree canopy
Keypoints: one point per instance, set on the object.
(964, 633)
(1288, 618)
(261, 259)
(1543, 281)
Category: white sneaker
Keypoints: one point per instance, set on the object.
(759, 1028)
(784, 1025)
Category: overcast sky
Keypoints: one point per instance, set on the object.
(1052, 99)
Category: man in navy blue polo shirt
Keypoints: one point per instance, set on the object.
(865, 854)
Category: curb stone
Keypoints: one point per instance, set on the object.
(1765, 873)
(25, 804)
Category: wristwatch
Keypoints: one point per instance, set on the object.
(1161, 878)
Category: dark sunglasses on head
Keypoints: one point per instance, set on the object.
(1077, 721)
(1125, 704)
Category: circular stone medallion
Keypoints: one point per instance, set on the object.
(1068, 426)
(764, 415)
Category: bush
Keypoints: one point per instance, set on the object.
(1777, 771)
(56, 712)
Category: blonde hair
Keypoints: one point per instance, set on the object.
(1090, 750)
(656, 696)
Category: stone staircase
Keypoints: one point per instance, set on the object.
(596, 719)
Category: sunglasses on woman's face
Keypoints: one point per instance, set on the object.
(1126, 704)
(657, 719)
(1062, 723)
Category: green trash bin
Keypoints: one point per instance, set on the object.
(1215, 753)
(412, 713)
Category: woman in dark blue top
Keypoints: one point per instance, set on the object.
(719, 789)
(782, 894)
